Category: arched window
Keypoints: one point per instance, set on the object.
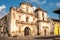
(30, 19)
(23, 18)
(43, 15)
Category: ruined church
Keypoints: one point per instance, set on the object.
(26, 21)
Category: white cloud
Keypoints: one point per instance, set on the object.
(2, 8)
(39, 2)
(2, 11)
(34, 7)
(34, 0)
(3, 14)
(58, 4)
(51, 4)
(48, 16)
(43, 2)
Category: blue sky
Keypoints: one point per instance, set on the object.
(47, 5)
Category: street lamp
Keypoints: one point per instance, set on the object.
(57, 11)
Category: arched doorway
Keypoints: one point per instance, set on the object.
(26, 31)
(46, 29)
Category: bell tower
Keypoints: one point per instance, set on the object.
(41, 14)
(42, 22)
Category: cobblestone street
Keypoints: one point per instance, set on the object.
(31, 38)
(23, 38)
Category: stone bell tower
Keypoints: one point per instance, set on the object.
(43, 24)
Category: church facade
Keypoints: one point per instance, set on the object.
(25, 21)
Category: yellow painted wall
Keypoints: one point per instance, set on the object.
(56, 27)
